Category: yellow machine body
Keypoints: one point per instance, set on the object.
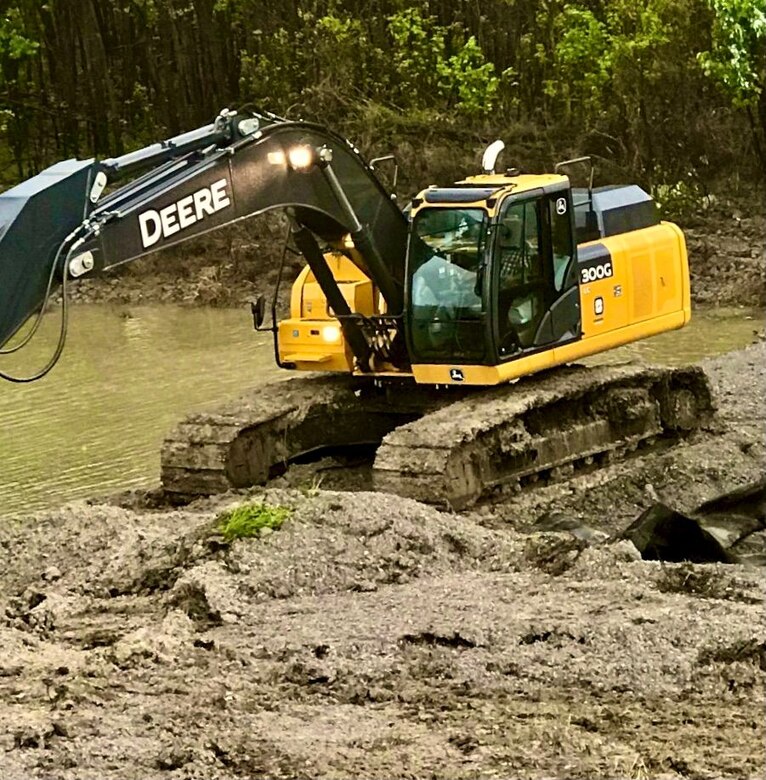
(312, 339)
(647, 293)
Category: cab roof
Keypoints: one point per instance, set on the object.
(477, 190)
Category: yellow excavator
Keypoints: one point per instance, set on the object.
(411, 317)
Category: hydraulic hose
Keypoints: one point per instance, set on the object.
(62, 329)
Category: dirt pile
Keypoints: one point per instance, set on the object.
(368, 637)
(373, 636)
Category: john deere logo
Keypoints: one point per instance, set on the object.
(456, 374)
(180, 215)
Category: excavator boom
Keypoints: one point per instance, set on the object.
(240, 166)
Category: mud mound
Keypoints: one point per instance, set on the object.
(739, 384)
(332, 542)
(339, 542)
(99, 550)
(369, 636)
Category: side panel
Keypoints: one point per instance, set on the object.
(307, 299)
(312, 340)
(647, 278)
(314, 345)
(604, 281)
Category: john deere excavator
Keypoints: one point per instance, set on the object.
(417, 319)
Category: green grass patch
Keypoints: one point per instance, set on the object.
(250, 520)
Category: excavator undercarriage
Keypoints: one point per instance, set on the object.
(450, 446)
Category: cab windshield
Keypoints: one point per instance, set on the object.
(446, 263)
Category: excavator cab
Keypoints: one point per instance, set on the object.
(490, 271)
(509, 274)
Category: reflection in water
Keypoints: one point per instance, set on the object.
(96, 423)
(710, 332)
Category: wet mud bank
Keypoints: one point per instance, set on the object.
(727, 257)
(375, 636)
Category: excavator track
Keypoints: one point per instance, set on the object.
(540, 429)
(436, 446)
(248, 441)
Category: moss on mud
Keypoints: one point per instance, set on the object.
(249, 520)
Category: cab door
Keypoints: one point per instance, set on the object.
(533, 275)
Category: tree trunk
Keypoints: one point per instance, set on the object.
(758, 132)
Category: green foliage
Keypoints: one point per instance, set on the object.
(14, 44)
(608, 57)
(267, 71)
(436, 63)
(148, 8)
(419, 48)
(249, 520)
(625, 73)
(343, 60)
(582, 59)
(680, 201)
(337, 38)
(468, 80)
(737, 60)
(648, 85)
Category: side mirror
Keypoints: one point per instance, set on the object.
(258, 310)
(388, 158)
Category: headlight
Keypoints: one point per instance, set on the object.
(302, 157)
(331, 334)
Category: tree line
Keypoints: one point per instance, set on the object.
(670, 91)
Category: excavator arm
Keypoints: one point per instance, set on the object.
(57, 223)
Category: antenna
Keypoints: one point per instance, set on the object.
(491, 153)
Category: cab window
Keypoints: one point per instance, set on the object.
(447, 249)
(520, 276)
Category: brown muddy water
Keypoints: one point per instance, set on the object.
(95, 424)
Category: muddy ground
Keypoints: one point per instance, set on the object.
(376, 637)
